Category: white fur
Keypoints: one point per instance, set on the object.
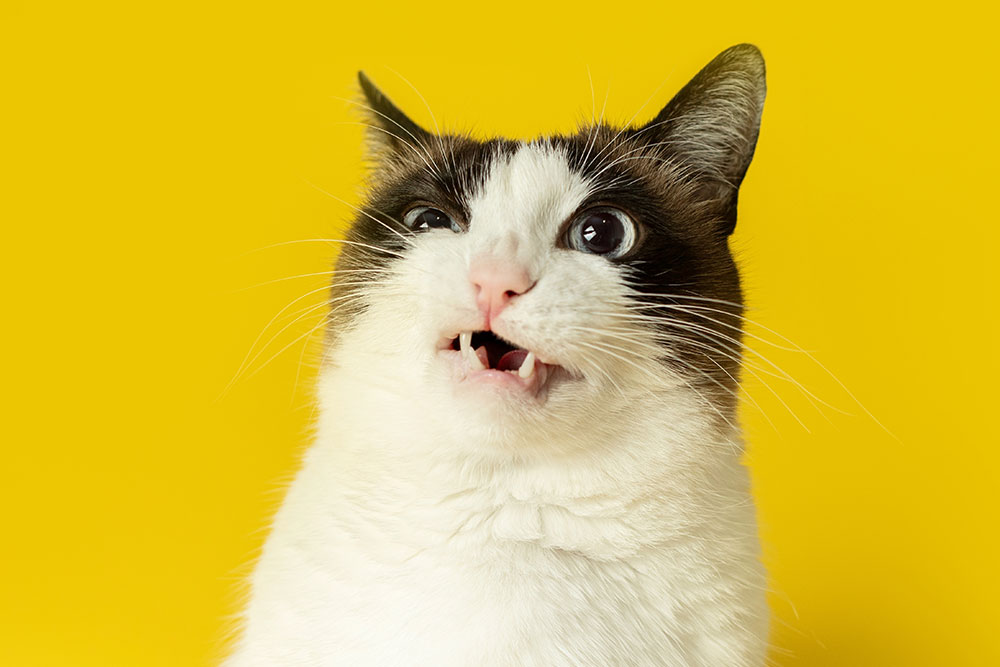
(432, 524)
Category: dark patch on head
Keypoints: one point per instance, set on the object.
(410, 165)
(678, 176)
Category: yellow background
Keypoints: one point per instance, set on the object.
(151, 150)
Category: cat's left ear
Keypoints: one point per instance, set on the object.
(713, 122)
(391, 132)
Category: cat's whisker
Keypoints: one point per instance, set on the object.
(693, 297)
(782, 374)
(426, 152)
(704, 350)
(597, 127)
(437, 129)
(718, 346)
(301, 315)
(596, 367)
(628, 124)
(718, 338)
(750, 369)
(253, 345)
(606, 348)
(740, 387)
(657, 352)
(326, 319)
(609, 349)
(331, 241)
(287, 278)
(404, 238)
(423, 153)
(593, 99)
(591, 365)
(630, 139)
(311, 331)
(797, 348)
(297, 316)
(631, 155)
(665, 161)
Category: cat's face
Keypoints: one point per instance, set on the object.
(518, 284)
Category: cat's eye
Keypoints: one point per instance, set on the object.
(603, 231)
(423, 218)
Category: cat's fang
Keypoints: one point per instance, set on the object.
(527, 368)
(470, 356)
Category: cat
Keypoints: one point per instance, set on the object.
(527, 450)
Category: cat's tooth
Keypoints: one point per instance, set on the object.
(471, 358)
(527, 368)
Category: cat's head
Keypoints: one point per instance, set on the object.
(514, 284)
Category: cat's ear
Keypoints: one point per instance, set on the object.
(713, 122)
(391, 133)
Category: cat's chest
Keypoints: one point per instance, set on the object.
(426, 571)
(519, 575)
(536, 528)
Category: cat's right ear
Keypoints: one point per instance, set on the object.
(713, 122)
(391, 133)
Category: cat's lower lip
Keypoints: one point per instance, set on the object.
(505, 381)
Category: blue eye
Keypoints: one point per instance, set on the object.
(602, 231)
(423, 218)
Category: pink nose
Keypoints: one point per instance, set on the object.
(496, 284)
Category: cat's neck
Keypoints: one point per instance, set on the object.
(655, 448)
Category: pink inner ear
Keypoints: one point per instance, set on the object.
(512, 360)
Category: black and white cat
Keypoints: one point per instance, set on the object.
(527, 452)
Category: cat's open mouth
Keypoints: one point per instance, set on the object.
(484, 357)
(484, 350)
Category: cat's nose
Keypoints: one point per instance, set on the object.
(496, 283)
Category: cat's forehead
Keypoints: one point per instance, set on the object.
(552, 175)
(529, 189)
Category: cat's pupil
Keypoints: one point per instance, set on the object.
(602, 233)
(432, 218)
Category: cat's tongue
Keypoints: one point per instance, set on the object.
(512, 360)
